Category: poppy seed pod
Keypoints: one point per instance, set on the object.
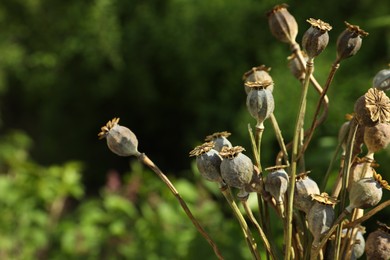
(349, 41)
(366, 192)
(276, 184)
(295, 66)
(208, 162)
(320, 216)
(316, 38)
(372, 108)
(357, 249)
(258, 77)
(236, 167)
(282, 24)
(260, 103)
(378, 243)
(356, 172)
(220, 140)
(304, 188)
(120, 140)
(382, 80)
(377, 137)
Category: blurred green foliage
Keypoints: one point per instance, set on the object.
(171, 70)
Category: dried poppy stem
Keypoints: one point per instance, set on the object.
(368, 215)
(145, 160)
(294, 158)
(241, 220)
(252, 218)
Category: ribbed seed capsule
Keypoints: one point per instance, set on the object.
(276, 184)
(378, 243)
(372, 108)
(349, 41)
(282, 24)
(357, 249)
(220, 140)
(367, 192)
(208, 162)
(382, 80)
(316, 38)
(377, 137)
(258, 77)
(304, 188)
(260, 103)
(120, 140)
(236, 167)
(321, 216)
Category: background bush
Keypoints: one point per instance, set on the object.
(171, 70)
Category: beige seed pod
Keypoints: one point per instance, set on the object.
(378, 243)
(349, 41)
(260, 103)
(361, 168)
(296, 67)
(377, 137)
(282, 24)
(120, 140)
(372, 108)
(367, 192)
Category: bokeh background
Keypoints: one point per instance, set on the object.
(172, 71)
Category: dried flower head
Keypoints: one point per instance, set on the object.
(384, 184)
(260, 104)
(201, 149)
(377, 243)
(220, 140)
(373, 108)
(324, 198)
(349, 41)
(316, 38)
(231, 152)
(282, 24)
(258, 76)
(120, 140)
(217, 135)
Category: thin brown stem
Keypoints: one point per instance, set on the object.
(368, 215)
(145, 160)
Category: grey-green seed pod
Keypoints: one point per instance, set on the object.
(349, 41)
(316, 38)
(236, 167)
(304, 188)
(276, 184)
(378, 244)
(320, 217)
(282, 24)
(260, 103)
(258, 77)
(220, 140)
(365, 193)
(377, 137)
(208, 162)
(372, 108)
(120, 140)
(357, 249)
(382, 80)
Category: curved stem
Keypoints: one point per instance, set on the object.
(315, 123)
(145, 160)
(267, 244)
(369, 214)
(294, 159)
(279, 137)
(244, 226)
